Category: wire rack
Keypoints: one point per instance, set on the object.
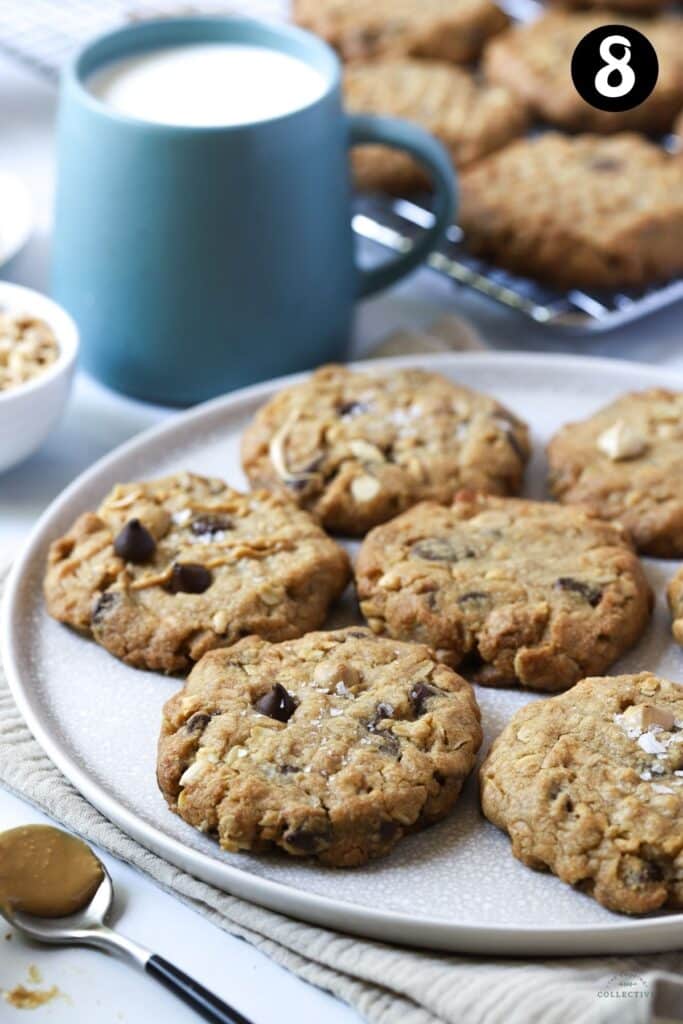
(45, 33)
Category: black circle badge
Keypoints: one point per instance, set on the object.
(614, 67)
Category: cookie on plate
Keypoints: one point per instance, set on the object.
(587, 211)
(168, 569)
(675, 596)
(356, 448)
(453, 30)
(589, 785)
(533, 62)
(625, 463)
(509, 591)
(333, 746)
(469, 117)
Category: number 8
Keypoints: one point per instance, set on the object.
(627, 78)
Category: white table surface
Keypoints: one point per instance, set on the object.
(97, 420)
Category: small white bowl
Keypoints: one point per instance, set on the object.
(29, 411)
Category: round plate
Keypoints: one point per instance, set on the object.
(455, 886)
(16, 216)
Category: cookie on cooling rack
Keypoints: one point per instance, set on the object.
(510, 592)
(588, 211)
(333, 746)
(625, 463)
(168, 569)
(453, 30)
(590, 786)
(356, 448)
(533, 62)
(469, 117)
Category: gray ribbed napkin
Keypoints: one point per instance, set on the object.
(386, 984)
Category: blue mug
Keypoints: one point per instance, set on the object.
(199, 259)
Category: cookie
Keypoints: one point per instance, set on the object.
(508, 591)
(452, 30)
(625, 463)
(589, 785)
(587, 211)
(355, 448)
(533, 62)
(470, 118)
(675, 596)
(167, 570)
(333, 746)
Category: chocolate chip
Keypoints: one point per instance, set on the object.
(439, 549)
(210, 524)
(387, 829)
(382, 711)
(350, 409)
(419, 695)
(591, 594)
(288, 769)
(306, 841)
(473, 595)
(189, 578)
(636, 872)
(197, 722)
(277, 704)
(102, 605)
(605, 163)
(135, 543)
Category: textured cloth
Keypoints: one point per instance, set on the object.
(386, 984)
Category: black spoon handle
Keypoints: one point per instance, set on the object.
(191, 992)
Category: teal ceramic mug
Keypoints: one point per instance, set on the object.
(199, 259)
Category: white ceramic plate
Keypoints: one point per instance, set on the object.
(455, 886)
(16, 216)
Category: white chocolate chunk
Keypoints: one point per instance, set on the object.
(645, 716)
(621, 441)
(366, 451)
(650, 744)
(364, 488)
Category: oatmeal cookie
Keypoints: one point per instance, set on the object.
(533, 62)
(508, 591)
(625, 463)
(640, 7)
(470, 118)
(588, 211)
(168, 569)
(333, 746)
(589, 785)
(356, 448)
(452, 30)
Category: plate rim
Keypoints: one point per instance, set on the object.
(26, 222)
(623, 935)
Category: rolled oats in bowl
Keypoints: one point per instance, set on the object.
(28, 347)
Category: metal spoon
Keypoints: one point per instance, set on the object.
(88, 928)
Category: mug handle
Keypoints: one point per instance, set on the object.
(391, 131)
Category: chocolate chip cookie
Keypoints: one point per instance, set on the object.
(590, 786)
(533, 62)
(469, 117)
(168, 569)
(675, 596)
(452, 30)
(625, 463)
(589, 211)
(508, 591)
(356, 448)
(333, 746)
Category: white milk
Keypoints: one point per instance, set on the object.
(207, 84)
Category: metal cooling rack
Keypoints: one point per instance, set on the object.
(45, 33)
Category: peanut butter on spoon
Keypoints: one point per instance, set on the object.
(46, 872)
